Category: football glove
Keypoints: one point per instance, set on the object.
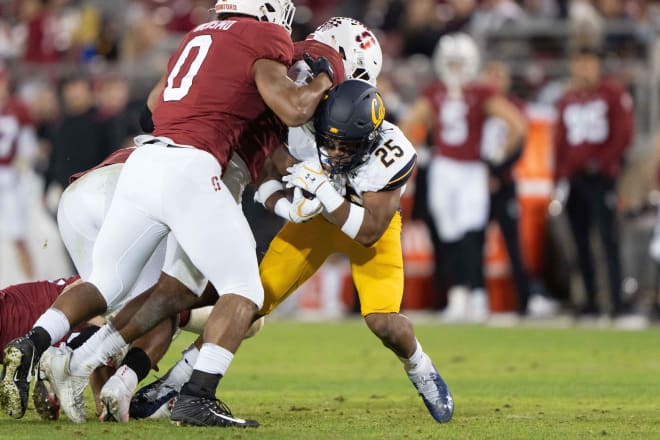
(319, 65)
(303, 209)
(306, 175)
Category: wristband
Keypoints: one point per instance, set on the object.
(353, 223)
(329, 197)
(282, 208)
(267, 189)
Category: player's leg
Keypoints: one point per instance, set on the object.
(379, 280)
(445, 182)
(126, 240)
(155, 400)
(294, 255)
(143, 355)
(472, 208)
(579, 217)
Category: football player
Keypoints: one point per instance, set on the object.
(224, 74)
(454, 109)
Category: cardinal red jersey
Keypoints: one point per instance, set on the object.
(459, 122)
(210, 96)
(317, 49)
(14, 117)
(262, 136)
(118, 156)
(22, 304)
(594, 127)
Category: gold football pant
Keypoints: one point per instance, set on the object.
(299, 250)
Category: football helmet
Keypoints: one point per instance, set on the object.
(456, 59)
(356, 44)
(276, 11)
(347, 125)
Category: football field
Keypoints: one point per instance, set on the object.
(335, 381)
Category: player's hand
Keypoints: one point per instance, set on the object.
(302, 208)
(306, 175)
(319, 65)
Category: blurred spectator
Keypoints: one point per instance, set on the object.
(42, 102)
(118, 124)
(80, 141)
(40, 31)
(18, 146)
(504, 206)
(594, 128)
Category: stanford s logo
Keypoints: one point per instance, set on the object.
(215, 181)
(366, 40)
(377, 110)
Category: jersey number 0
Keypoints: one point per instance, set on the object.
(176, 93)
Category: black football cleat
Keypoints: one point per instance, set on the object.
(204, 411)
(16, 376)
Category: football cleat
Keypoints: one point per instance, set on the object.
(435, 394)
(45, 401)
(19, 358)
(153, 401)
(205, 411)
(68, 388)
(116, 399)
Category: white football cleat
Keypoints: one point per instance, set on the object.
(68, 388)
(116, 399)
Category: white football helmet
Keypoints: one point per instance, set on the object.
(276, 11)
(357, 45)
(456, 59)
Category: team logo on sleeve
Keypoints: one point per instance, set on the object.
(377, 110)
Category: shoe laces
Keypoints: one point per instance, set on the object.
(427, 387)
(220, 405)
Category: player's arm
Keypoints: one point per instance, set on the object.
(274, 197)
(379, 207)
(270, 189)
(500, 107)
(292, 104)
(146, 121)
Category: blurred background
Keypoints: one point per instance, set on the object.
(82, 70)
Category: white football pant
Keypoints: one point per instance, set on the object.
(458, 198)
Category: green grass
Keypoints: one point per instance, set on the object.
(335, 381)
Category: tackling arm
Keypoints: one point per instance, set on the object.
(292, 104)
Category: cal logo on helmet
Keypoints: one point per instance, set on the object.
(377, 110)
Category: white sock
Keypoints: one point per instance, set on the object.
(213, 359)
(417, 363)
(127, 376)
(182, 370)
(93, 353)
(55, 323)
